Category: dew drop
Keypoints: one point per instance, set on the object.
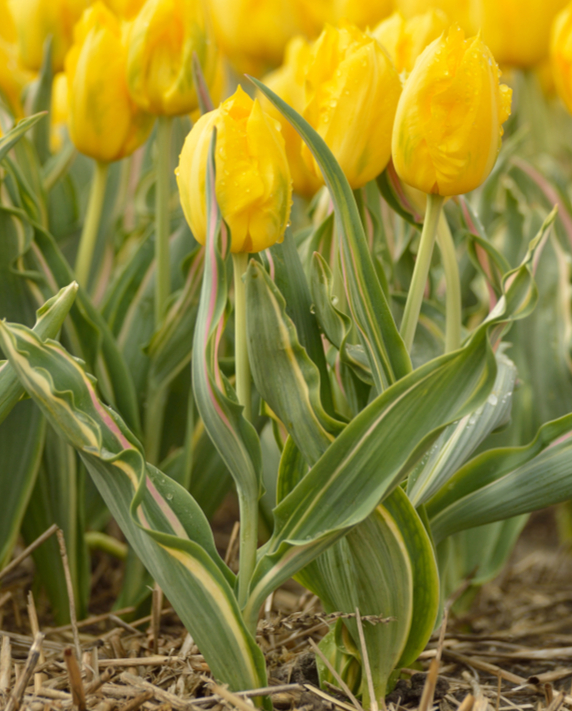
(169, 497)
(492, 399)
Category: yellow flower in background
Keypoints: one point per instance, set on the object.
(458, 11)
(59, 111)
(7, 26)
(162, 39)
(561, 55)
(404, 39)
(253, 34)
(288, 82)
(36, 19)
(103, 121)
(351, 94)
(362, 14)
(448, 125)
(218, 86)
(253, 186)
(516, 31)
(13, 78)
(126, 9)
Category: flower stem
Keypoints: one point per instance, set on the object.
(242, 366)
(91, 225)
(162, 192)
(419, 279)
(453, 304)
(248, 501)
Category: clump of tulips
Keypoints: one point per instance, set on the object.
(346, 369)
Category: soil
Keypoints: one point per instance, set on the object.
(512, 651)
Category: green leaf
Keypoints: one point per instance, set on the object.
(370, 457)
(335, 324)
(384, 566)
(284, 264)
(370, 311)
(506, 482)
(21, 443)
(15, 134)
(160, 519)
(460, 440)
(42, 101)
(50, 318)
(276, 356)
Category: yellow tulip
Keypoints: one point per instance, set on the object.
(104, 123)
(126, 9)
(59, 111)
(561, 55)
(13, 78)
(7, 26)
(448, 125)
(351, 94)
(253, 34)
(288, 82)
(456, 10)
(253, 186)
(516, 31)
(404, 39)
(36, 20)
(362, 14)
(162, 40)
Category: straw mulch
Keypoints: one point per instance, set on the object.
(513, 651)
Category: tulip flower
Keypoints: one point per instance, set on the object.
(446, 138)
(13, 78)
(362, 14)
(459, 11)
(516, 31)
(351, 94)
(404, 39)
(36, 20)
(561, 55)
(253, 34)
(162, 40)
(126, 9)
(104, 122)
(288, 82)
(253, 186)
(448, 125)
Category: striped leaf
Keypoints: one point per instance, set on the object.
(369, 308)
(50, 318)
(276, 357)
(9, 139)
(160, 519)
(460, 440)
(502, 483)
(384, 566)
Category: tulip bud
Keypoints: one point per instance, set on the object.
(458, 11)
(404, 39)
(448, 125)
(126, 9)
(104, 123)
(561, 55)
(13, 78)
(162, 40)
(516, 31)
(351, 93)
(253, 34)
(288, 82)
(362, 14)
(59, 111)
(36, 20)
(253, 186)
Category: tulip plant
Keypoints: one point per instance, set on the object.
(385, 379)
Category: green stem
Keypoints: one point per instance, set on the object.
(242, 365)
(162, 191)
(248, 502)
(453, 285)
(91, 225)
(154, 417)
(421, 271)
